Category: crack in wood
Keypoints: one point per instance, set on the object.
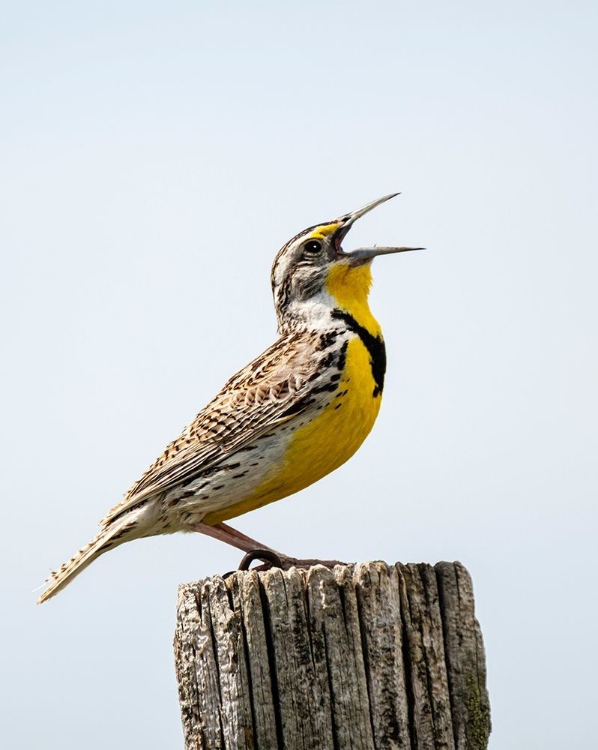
(367, 656)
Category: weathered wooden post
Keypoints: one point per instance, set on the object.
(363, 656)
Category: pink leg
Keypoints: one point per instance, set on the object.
(227, 534)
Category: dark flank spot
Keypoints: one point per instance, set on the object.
(327, 339)
(247, 448)
(336, 377)
(374, 345)
(218, 487)
(327, 361)
(204, 497)
(297, 407)
(342, 357)
(341, 394)
(238, 476)
(338, 406)
(233, 466)
(326, 387)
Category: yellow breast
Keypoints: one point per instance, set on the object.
(333, 437)
(323, 444)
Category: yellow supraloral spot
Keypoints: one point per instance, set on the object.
(321, 232)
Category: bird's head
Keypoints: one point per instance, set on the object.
(312, 274)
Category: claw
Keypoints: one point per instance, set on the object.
(265, 555)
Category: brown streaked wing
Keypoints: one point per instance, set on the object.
(267, 392)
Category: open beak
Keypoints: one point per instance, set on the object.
(363, 254)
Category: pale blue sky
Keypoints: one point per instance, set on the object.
(154, 157)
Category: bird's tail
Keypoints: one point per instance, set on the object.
(121, 530)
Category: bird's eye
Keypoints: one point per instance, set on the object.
(312, 248)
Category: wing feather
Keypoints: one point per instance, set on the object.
(270, 390)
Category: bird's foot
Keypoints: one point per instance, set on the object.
(272, 559)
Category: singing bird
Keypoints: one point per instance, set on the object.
(293, 415)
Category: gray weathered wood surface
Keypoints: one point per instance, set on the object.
(366, 656)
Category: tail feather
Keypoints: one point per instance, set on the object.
(109, 537)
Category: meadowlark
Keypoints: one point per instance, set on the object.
(293, 415)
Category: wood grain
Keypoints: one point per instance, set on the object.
(367, 656)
